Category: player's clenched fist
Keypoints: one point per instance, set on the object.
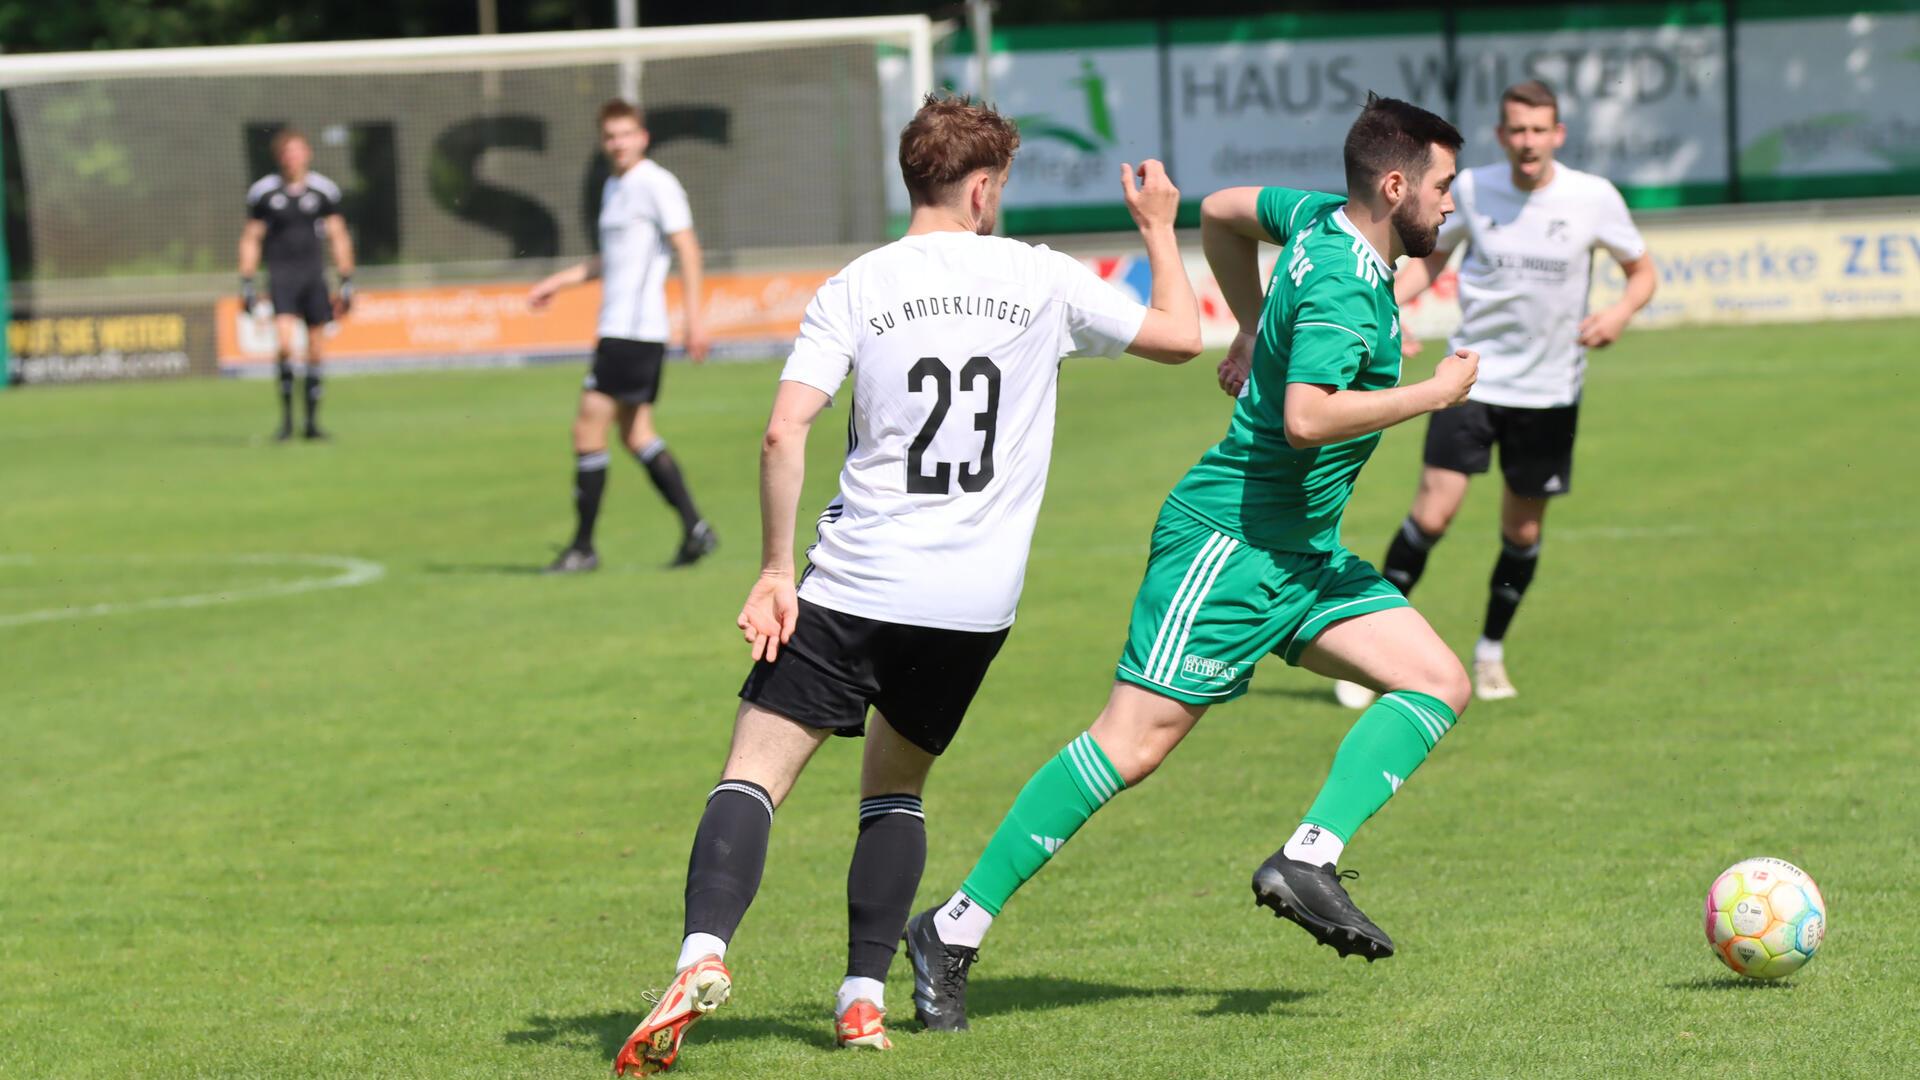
(1151, 197)
(1455, 375)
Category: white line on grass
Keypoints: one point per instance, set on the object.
(348, 573)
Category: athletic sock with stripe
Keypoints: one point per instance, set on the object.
(1059, 799)
(1385, 745)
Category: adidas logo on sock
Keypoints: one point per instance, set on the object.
(1393, 781)
(1051, 843)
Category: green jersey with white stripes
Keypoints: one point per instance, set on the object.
(1329, 319)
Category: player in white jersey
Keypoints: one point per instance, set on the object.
(644, 223)
(946, 345)
(1530, 226)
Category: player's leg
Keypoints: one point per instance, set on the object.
(889, 856)
(821, 684)
(1203, 617)
(927, 678)
(286, 330)
(317, 311)
(648, 362)
(723, 875)
(1536, 462)
(1390, 648)
(590, 422)
(1133, 734)
(1459, 445)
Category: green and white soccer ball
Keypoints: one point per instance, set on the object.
(1765, 918)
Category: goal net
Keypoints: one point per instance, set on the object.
(455, 155)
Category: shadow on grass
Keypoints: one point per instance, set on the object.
(990, 996)
(1729, 982)
(606, 1032)
(483, 568)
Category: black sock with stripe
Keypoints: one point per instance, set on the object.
(729, 855)
(888, 859)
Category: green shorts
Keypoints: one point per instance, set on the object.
(1211, 606)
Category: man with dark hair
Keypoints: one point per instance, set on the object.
(1246, 558)
(288, 214)
(1530, 226)
(644, 223)
(948, 345)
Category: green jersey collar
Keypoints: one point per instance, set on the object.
(1341, 222)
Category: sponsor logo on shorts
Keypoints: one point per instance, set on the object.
(1204, 669)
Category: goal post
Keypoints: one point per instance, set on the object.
(457, 156)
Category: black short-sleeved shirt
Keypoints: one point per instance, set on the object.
(296, 220)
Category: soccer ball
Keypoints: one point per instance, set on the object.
(1765, 918)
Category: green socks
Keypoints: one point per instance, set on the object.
(1386, 744)
(1051, 808)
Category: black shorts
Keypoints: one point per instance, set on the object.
(921, 678)
(302, 293)
(627, 371)
(1536, 445)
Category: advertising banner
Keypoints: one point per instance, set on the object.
(1827, 103)
(1642, 89)
(1269, 100)
(747, 314)
(1087, 98)
(100, 346)
(1747, 272)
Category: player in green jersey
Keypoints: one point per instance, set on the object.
(1246, 558)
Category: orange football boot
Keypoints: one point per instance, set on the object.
(694, 993)
(862, 1025)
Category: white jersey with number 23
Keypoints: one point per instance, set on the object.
(952, 342)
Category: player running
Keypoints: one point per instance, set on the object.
(1530, 226)
(1246, 558)
(644, 222)
(288, 213)
(952, 340)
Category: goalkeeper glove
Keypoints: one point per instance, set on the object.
(344, 299)
(249, 296)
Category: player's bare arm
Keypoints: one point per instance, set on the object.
(342, 243)
(578, 274)
(1230, 236)
(767, 618)
(1414, 277)
(1321, 415)
(251, 237)
(1170, 332)
(1603, 328)
(686, 249)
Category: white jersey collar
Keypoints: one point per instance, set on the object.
(1341, 222)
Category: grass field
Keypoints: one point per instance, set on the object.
(322, 780)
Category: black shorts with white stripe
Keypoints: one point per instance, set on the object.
(837, 666)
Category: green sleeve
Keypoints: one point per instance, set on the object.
(1334, 323)
(1281, 210)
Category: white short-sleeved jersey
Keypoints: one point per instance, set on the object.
(1526, 274)
(953, 342)
(639, 209)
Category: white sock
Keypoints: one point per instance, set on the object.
(1487, 649)
(1313, 844)
(697, 946)
(856, 988)
(962, 922)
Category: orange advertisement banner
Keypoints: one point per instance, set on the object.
(742, 310)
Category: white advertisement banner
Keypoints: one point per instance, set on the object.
(1829, 95)
(1277, 112)
(1645, 106)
